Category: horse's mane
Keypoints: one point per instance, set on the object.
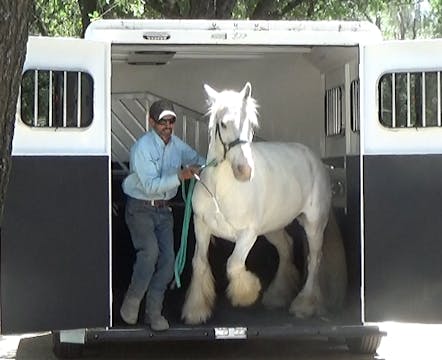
(225, 99)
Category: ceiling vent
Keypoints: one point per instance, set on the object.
(150, 57)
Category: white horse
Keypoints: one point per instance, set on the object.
(255, 189)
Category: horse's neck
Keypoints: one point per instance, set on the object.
(221, 170)
(215, 153)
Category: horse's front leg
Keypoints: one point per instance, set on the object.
(200, 296)
(244, 286)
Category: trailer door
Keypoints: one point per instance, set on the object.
(55, 237)
(401, 143)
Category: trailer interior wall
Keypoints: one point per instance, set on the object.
(289, 84)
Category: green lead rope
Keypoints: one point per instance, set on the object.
(180, 259)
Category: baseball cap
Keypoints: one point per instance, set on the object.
(161, 108)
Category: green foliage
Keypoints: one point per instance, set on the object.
(398, 19)
(56, 18)
(436, 17)
(407, 19)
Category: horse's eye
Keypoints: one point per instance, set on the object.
(223, 125)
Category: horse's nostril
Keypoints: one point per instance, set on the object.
(243, 172)
(242, 169)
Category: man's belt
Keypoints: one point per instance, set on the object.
(158, 203)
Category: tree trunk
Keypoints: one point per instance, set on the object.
(86, 7)
(14, 16)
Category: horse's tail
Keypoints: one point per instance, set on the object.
(333, 268)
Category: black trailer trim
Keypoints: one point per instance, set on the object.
(55, 244)
(402, 217)
(185, 333)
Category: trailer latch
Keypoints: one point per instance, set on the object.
(231, 333)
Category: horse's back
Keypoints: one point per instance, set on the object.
(288, 156)
(290, 179)
(291, 167)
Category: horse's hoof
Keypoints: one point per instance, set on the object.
(303, 307)
(272, 300)
(243, 289)
(195, 318)
(194, 315)
(280, 293)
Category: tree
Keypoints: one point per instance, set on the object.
(13, 38)
(408, 19)
(71, 17)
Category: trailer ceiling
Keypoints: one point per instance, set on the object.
(323, 57)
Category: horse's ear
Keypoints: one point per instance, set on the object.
(246, 91)
(211, 93)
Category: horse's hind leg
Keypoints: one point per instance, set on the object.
(244, 286)
(200, 296)
(309, 301)
(286, 282)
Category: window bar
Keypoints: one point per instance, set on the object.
(331, 116)
(65, 77)
(79, 99)
(326, 113)
(424, 120)
(438, 100)
(357, 107)
(338, 107)
(50, 99)
(381, 102)
(35, 97)
(336, 111)
(353, 105)
(408, 100)
(332, 112)
(341, 122)
(393, 100)
(184, 128)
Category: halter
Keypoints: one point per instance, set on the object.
(229, 145)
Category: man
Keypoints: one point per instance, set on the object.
(159, 161)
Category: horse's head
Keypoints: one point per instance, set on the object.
(233, 116)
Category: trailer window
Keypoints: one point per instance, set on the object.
(354, 105)
(333, 111)
(56, 99)
(410, 99)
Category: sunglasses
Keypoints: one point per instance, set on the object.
(165, 121)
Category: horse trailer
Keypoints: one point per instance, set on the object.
(371, 109)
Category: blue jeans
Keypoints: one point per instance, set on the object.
(151, 231)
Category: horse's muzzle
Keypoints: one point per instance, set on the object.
(242, 172)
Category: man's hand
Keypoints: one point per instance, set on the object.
(188, 172)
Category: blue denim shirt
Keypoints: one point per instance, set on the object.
(154, 167)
